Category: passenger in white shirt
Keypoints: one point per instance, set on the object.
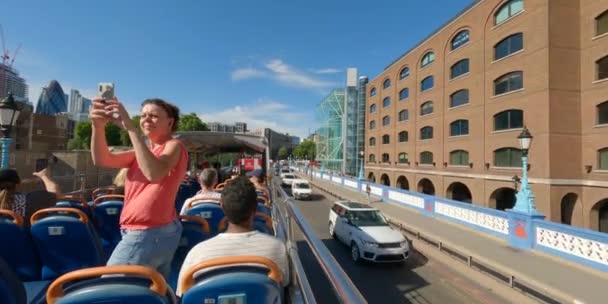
(208, 180)
(240, 239)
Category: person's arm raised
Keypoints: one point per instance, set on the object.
(99, 146)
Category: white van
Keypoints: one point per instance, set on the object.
(300, 189)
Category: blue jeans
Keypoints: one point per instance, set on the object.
(153, 247)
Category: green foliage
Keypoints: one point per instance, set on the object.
(83, 131)
(305, 150)
(283, 152)
(191, 122)
(78, 144)
(113, 135)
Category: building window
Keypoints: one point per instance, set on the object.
(372, 124)
(602, 68)
(385, 158)
(426, 158)
(459, 158)
(427, 83)
(508, 10)
(426, 133)
(386, 120)
(386, 84)
(404, 94)
(372, 108)
(386, 102)
(603, 159)
(403, 158)
(602, 113)
(601, 24)
(372, 158)
(459, 127)
(426, 108)
(372, 141)
(403, 136)
(460, 39)
(403, 115)
(372, 92)
(459, 68)
(509, 46)
(427, 59)
(507, 157)
(404, 73)
(459, 98)
(386, 139)
(509, 119)
(510, 82)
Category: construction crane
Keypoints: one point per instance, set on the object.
(7, 62)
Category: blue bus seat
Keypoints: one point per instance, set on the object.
(263, 200)
(261, 222)
(107, 209)
(264, 209)
(73, 201)
(111, 284)
(208, 209)
(65, 243)
(236, 279)
(195, 230)
(18, 249)
(12, 290)
(102, 191)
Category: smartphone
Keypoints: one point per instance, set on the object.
(106, 90)
(41, 164)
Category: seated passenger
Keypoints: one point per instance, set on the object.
(24, 205)
(208, 181)
(239, 204)
(257, 178)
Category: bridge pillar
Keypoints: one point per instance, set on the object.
(521, 229)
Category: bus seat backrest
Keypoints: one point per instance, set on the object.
(17, 248)
(107, 220)
(12, 290)
(211, 212)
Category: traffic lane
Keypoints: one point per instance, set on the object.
(418, 281)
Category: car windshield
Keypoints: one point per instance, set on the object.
(366, 218)
(302, 186)
(285, 171)
(289, 176)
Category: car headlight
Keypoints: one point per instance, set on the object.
(369, 244)
(404, 244)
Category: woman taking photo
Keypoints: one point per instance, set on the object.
(149, 225)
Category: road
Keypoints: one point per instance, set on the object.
(420, 280)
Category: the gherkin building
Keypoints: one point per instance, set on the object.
(52, 100)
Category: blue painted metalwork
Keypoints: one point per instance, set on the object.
(5, 141)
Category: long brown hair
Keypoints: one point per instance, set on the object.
(7, 195)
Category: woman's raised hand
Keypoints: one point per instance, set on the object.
(98, 113)
(117, 114)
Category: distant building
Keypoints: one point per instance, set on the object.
(13, 84)
(52, 100)
(79, 106)
(295, 140)
(239, 127)
(330, 115)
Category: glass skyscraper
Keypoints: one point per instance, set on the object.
(52, 100)
(330, 115)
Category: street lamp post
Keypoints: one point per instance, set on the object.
(361, 172)
(8, 116)
(525, 197)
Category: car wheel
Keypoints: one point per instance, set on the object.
(355, 255)
(332, 233)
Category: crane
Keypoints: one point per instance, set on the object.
(7, 62)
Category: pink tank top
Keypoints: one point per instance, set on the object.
(148, 205)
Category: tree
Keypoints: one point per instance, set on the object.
(77, 144)
(113, 135)
(191, 122)
(283, 152)
(83, 131)
(306, 149)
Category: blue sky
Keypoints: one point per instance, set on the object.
(267, 63)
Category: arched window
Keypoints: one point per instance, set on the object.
(601, 23)
(602, 113)
(372, 92)
(386, 102)
(460, 39)
(372, 124)
(459, 158)
(512, 81)
(507, 157)
(372, 108)
(459, 127)
(459, 98)
(509, 119)
(509, 46)
(385, 158)
(372, 158)
(426, 108)
(459, 68)
(426, 133)
(508, 10)
(403, 158)
(426, 158)
(404, 93)
(386, 139)
(601, 66)
(427, 83)
(403, 115)
(386, 84)
(372, 141)
(386, 120)
(603, 159)
(403, 136)
(427, 59)
(404, 73)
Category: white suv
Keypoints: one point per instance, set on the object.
(300, 188)
(288, 178)
(367, 232)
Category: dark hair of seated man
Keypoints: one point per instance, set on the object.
(239, 202)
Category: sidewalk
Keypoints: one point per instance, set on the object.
(585, 285)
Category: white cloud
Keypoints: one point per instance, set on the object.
(283, 73)
(327, 71)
